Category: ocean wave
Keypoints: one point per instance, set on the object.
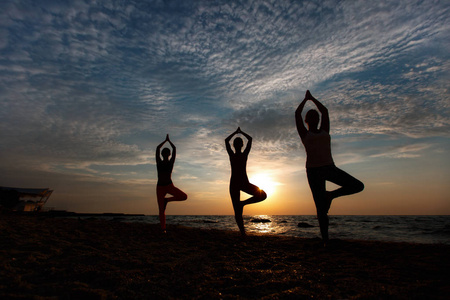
(416, 229)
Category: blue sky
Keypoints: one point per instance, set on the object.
(88, 89)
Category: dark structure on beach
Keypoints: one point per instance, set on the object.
(24, 199)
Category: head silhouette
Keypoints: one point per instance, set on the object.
(312, 119)
(165, 153)
(238, 143)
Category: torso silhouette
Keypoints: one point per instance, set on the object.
(238, 168)
(165, 168)
(318, 148)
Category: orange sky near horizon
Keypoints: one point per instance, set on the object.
(88, 89)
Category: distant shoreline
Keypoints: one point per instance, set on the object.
(63, 213)
(108, 214)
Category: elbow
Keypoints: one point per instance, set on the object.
(298, 114)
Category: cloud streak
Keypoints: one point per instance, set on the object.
(87, 86)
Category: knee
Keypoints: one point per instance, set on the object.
(322, 216)
(184, 197)
(321, 212)
(359, 187)
(237, 207)
(262, 195)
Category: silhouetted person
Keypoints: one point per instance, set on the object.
(165, 185)
(239, 180)
(319, 162)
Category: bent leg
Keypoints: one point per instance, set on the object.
(258, 194)
(177, 194)
(349, 184)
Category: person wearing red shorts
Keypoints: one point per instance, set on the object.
(165, 185)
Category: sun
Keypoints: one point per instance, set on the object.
(264, 182)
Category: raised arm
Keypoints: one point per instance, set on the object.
(325, 123)
(158, 150)
(299, 120)
(249, 140)
(174, 149)
(227, 142)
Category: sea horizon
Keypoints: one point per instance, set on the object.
(428, 229)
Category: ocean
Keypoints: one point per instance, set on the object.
(413, 229)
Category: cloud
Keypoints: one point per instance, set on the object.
(406, 151)
(393, 109)
(90, 86)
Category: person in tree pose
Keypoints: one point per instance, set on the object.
(239, 180)
(165, 185)
(319, 162)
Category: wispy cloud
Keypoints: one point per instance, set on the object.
(408, 151)
(88, 84)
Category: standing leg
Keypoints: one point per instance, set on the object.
(235, 194)
(162, 203)
(318, 189)
(161, 192)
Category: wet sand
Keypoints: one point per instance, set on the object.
(51, 258)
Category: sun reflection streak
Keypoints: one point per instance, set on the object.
(264, 227)
(261, 224)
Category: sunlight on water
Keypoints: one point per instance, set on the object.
(418, 229)
(264, 227)
(262, 224)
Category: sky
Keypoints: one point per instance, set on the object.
(88, 89)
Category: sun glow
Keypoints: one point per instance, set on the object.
(264, 182)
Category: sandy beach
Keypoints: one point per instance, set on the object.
(51, 258)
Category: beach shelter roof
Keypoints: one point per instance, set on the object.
(28, 192)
